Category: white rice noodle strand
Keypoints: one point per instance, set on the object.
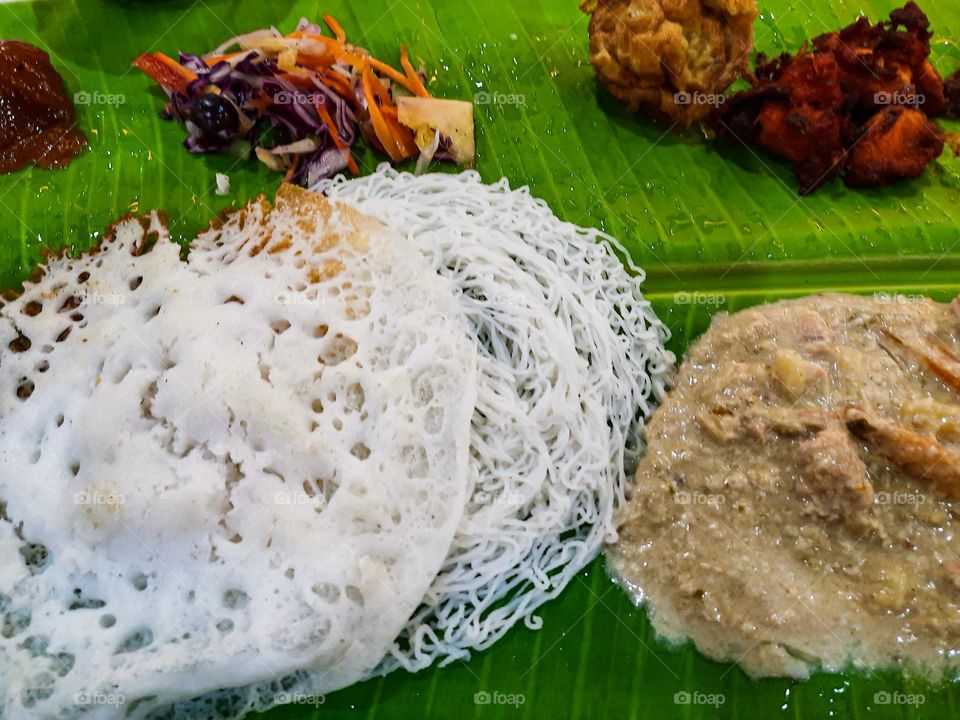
(572, 361)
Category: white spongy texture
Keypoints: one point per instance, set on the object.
(218, 472)
(572, 361)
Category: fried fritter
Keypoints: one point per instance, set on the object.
(671, 59)
(855, 102)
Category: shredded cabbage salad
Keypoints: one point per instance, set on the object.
(298, 102)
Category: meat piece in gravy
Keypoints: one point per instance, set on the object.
(919, 456)
(834, 477)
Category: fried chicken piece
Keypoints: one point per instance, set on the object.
(951, 91)
(795, 116)
(920, 456)
(856, 103)
(671, 59)
(897, 142)
(810, 138)
(886, 63)
(931, 88)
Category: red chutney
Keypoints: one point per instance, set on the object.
(36, 116)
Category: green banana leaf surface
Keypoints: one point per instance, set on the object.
(716, 228)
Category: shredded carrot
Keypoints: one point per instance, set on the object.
(397, 140)
(314, 60)
(348, 57)
(387, 106)
(335, 29)
(354, 58)
(415, 84)
(379, 126)
(405, 136)
(339, 84)
(301, 78)
(391, 144)
(338, 50)
(175, 66)
(395, 75)
(164, 74)
(292, 169)
(226, 56)
(335, 134)
(300, 34)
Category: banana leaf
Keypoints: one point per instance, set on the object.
(716, 227)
